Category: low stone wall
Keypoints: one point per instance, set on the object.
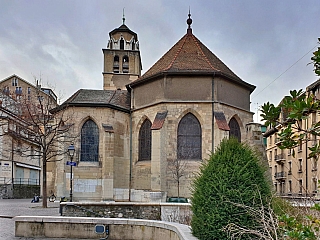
(6, 191)
(170, 212)
(17, 191)
(81, 227)
(25, 191)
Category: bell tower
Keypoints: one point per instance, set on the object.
(122, 61)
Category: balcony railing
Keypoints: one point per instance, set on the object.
(280, 175)
(279, 158)
(19, 181)
(25, 181)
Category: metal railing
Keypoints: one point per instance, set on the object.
(19, 181)
(280, 175)
(5, 180)
(279, 157)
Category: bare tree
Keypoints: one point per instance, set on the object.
(177, 168)
(48, 133)
(51, 132)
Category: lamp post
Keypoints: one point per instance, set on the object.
(71, 151)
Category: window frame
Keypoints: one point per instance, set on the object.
(145, 141)
(189, 138)
(89, 141)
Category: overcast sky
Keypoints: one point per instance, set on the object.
(267, 43)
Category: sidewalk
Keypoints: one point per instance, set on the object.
(22, 207)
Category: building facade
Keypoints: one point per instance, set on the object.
(19, 159)
(294, 174)
(131, 131)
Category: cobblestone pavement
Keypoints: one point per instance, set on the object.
(22, 207)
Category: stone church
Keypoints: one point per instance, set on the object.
(133, 131)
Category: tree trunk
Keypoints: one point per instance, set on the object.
(178, 190)
(44, 182)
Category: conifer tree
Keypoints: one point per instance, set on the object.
(233, 175)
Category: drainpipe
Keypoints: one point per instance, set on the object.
(12, 152)
(130, 143)
(307, 167)
(212, 98)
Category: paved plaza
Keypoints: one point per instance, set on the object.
(22, 207)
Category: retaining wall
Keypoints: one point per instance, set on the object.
(170, 212)
(17, 191)
(82, 227)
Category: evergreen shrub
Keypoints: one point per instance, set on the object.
(233, 175)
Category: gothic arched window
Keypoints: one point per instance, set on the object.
(145, 141)
(234, 129)
(89, 142)
(125, 64)
(189, 138)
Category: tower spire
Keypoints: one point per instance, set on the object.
(123, 18)
(189, 22)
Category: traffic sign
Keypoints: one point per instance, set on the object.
(71, 163)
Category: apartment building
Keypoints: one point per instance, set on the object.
(294, 174)
(20, 165)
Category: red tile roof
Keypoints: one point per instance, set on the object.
(221, 121)
(190, 56)
(159, 120)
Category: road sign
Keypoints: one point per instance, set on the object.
(71, 163)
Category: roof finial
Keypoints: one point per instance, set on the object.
(189, 22)
(123, 18)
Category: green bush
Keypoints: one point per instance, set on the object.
(233, 175)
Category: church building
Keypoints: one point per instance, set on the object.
(139, 130)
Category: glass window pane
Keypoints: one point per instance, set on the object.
(189, 138)
(89, 142)
(145, 141)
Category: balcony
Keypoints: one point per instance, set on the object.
(280, 158)
(280, 176)
(278, 142)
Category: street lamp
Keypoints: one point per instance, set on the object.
(71, 151)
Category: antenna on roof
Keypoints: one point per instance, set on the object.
(123, 18)
(189, 22)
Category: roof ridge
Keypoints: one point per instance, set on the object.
(72, 97)
(176, 55)
(196, 40)
(114, 93)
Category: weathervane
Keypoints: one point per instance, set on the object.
(123, 18)
(189, 22)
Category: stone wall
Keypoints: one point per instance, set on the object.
(8, 191)
(118, 229)
(170, 212)
(25, 191)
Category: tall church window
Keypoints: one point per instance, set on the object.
(89, 142)
(145, 141)
(116, 64)
(125, 64)
(121, 44)
(189, 138)
(234, 129)
(132, 44)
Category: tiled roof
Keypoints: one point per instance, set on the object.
(190, 56)
(117, 99)
(123, 28)
(221, 121)
(159, 120)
